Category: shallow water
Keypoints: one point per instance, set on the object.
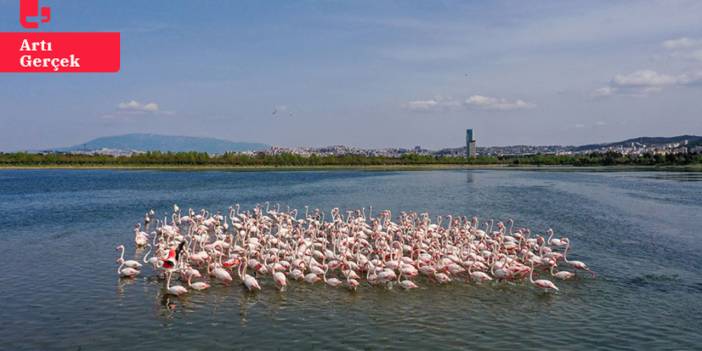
(639, 231)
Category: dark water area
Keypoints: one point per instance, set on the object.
(640, 231)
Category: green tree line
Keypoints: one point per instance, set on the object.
(156, 158)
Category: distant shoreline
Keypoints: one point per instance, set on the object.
(676, 168)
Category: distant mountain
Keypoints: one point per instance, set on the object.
(156, 142)
(692, 140)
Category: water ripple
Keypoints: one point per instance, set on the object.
(60, 290)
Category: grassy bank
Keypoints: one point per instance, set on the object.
(233, 161)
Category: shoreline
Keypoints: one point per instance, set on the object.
(427, 167)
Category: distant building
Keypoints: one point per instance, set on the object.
(471, 148)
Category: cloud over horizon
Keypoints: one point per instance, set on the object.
(645, 81)
(136, 106)
(681, 43)
(479, 102)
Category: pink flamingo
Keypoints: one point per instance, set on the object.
(249, 281)
(280, 280)
(562, 275)
(197, 285)
(541, 283)
(176, 290)
(576, 264)
(127, 272)
(129, 263)
(333, 282)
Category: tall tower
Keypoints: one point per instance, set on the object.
(471, 151)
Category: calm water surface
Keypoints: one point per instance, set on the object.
(639, 231)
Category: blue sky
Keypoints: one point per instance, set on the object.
(369, 73)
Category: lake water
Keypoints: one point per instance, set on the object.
(639, 231)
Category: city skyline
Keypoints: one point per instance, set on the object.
(126, 145)
(370, 74)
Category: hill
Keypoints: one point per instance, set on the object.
(156, 142)
(692, 140)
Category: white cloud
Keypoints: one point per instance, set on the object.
(473, 102)
(136, 106)
(604, 91)
(646, 81)
(686, 48)
(420, 105)
(491, 103)
(643, 82)
(132, 109)
(644, 78)
(681, 43)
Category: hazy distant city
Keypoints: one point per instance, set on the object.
(633, 148)
(637, 146)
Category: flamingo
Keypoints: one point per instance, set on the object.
(555, 241)
(562, 275)
(541, 283)
(311, 278)
(176, 290)
(406, 284)
(280, 280)
(220, 274)
(127, 272)
(478, 276)
(197, 285)
(140, 238)
(352, 247)
(576, 264)
(333, 282)
(129, 263)
(249, 281)
(153, 260)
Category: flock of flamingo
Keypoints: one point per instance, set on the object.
(202, 248)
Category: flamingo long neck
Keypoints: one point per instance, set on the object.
(242, 269)
(511, 224)
(147, 254)
(121, 256)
